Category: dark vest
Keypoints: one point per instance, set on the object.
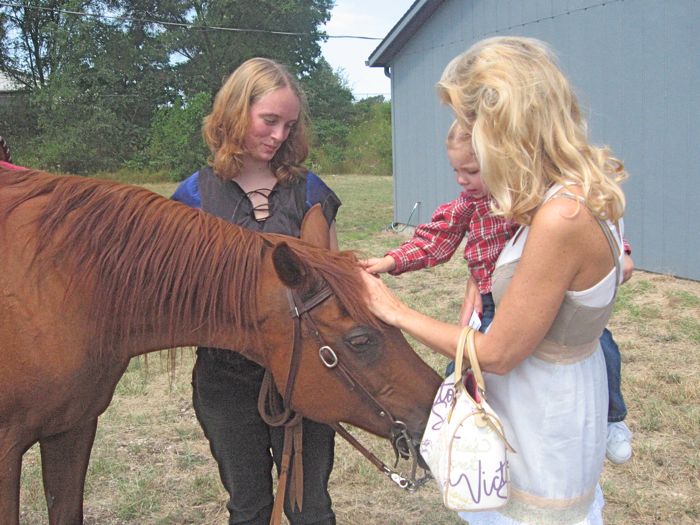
(226, 199)
(288, 204)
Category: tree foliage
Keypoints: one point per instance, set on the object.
(209, 55)
(29, 54)
(369, 147)
(95, 111)
(118, 86)
(175, 141)
(331, 107)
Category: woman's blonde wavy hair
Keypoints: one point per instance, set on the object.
(527, 129)
(225, 128)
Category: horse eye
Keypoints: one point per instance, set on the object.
(365, 343)
(359, 340)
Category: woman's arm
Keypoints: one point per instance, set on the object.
(565, 250)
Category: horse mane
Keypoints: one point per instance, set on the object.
(145, 250)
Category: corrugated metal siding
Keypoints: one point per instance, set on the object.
(636, 69)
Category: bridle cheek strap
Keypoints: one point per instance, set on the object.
(275, 416)
(268, 398)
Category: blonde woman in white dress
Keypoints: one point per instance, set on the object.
(555, 281)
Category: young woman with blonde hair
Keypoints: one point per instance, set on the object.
(256, 133)
(554, 284)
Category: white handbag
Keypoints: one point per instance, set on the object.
(464, 443)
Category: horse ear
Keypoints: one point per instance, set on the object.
(315, 229)
(289, 267)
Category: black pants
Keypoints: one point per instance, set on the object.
(225, 393)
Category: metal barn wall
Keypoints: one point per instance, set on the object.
(635, 65)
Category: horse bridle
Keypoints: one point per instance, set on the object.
(402, 444)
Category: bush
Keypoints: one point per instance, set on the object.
(360, 144)
(98, 142)
(369, 149)
(175, 142)
(18, 126)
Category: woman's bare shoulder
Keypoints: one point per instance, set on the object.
(562, 217)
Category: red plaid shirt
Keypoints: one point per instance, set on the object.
(435, 242)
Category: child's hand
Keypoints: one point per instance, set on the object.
(627, 268)
(378, 265)
(472, 302)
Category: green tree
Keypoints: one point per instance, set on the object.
(96, 81)
(18, 127)
(175, 140)
(206, 55)
(331, 108)
(28, 54)
(94, 110)
(369, 149)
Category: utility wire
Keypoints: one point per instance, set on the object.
(396, 227)
(179, 24)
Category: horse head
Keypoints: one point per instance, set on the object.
(361, 372)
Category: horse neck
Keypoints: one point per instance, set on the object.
(158, 338)
(157, 330)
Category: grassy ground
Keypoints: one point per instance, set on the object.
(151, 464)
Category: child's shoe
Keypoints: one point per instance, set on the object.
(619, 443)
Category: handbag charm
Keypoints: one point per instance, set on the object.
(464, 443)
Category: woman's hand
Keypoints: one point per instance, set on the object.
(379, 264)
(441, 337)
(382, 302)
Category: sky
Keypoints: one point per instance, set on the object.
(370, 18)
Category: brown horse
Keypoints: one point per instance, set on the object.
(93, 273)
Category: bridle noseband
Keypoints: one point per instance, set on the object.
(400, 439)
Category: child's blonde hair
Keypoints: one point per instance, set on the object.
(225, 128)
(527, 129)
(456, 136)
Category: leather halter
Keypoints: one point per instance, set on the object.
(300, 311)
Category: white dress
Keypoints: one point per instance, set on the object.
(554, 407)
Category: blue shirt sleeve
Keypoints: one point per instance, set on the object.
(188, 191)
(318, 192)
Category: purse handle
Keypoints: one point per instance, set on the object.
(459, 354)
(467, 338)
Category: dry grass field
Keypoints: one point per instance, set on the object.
(151, 464)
